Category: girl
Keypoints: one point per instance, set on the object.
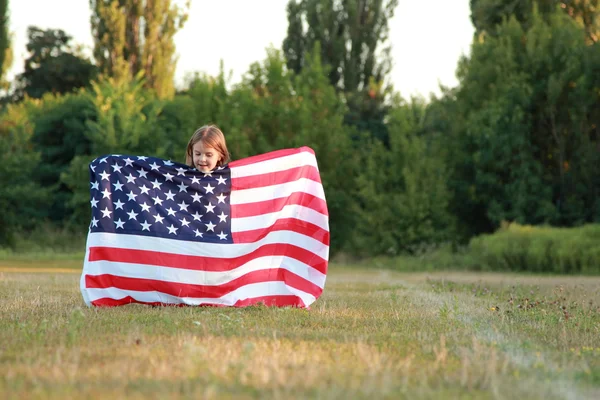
(207, 149)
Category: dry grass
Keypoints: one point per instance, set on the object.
(373, 334)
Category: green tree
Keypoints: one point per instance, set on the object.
(137, 35)
(5, 50)
(353, 44)
(127, 123)
(487, 15)
(53, 66)
(525, 145)
(22, 199)
(403, 196)
(59, 127)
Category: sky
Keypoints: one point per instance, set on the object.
(427, 37)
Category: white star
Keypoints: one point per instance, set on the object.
(170, 211)
(103, 160)
(158, 218)
(206, 174)
(132, 215)
(131, 196)
(104, 175)
(168, 177)
(143, 158)
(183, 206)
(145, 207)
(119, 224)
(94, 203)
(220, 168)
(168, 162)
(157, 200)
(95, 185)
(154, 166)
(118, 186)
(195, 180)
(209, 208)
(118, 204)
(106, 213)
(128, 162)
(95, 222)
(221, 180)
(210, 227)
(184, 222)
(142, 172)
(209, 189)
(222, 217)
(170, 195)
(116, 168)
(146, 226)
(130, 178)
(182, 187)
(105, 194)
(221, 198)
(198, 233)
(222, 236)
(196, 197)
(180, 171)
(172, 229)
(93, 168)
(196, 216)
(144, 189)
(156, 184)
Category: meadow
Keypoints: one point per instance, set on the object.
(374, 333)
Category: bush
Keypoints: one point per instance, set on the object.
(540, 249)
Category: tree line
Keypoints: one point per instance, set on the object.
(516, 140)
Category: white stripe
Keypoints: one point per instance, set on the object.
(277, 191)
(290, 211)
(275, 165)
(225, 250)
(208, 278)
(242, 293)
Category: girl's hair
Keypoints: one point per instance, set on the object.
(209, 135)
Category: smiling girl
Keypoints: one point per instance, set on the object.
(207, 149)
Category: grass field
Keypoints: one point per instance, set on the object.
(373, 334)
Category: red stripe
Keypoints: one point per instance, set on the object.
(284, 224)
(200, 263)
(202, 291)
(276, 178)
(270, 301)
(269, 156)
(275, 205)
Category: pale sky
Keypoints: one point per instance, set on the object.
(427, 36)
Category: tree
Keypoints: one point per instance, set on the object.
(487, 15)
(22, 199)
(403, 195)
(5, 49)
(137, 35)
(353, 44)
(53, 65)
(525, 147)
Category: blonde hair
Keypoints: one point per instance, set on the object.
(209, 135)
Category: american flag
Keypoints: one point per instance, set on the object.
(253, 231)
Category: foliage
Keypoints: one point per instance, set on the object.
(403, 197)
(540, 249)
(137, 35)
(524, 146)
(53, 65)
(21, 196)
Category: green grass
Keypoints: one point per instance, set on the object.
(373, 334)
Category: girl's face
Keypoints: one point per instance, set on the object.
(205, 158)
